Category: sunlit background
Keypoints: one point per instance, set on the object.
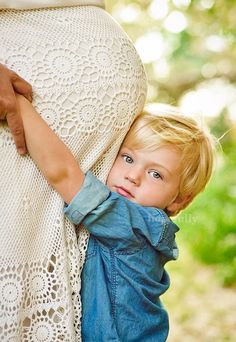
(189, 52)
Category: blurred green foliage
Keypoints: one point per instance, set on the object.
(183, 59)
(204, 49)
(208, 225)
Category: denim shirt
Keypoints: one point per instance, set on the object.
(123, 276)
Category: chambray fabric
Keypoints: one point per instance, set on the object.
(123, 275)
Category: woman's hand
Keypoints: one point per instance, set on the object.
(10, 83)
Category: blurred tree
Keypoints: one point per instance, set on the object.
(181, 42)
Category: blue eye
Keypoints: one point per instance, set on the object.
(155, 174)
(127, 158)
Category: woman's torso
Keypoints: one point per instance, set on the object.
(88, 84)
(30, 4)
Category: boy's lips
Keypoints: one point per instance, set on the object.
(124, 192)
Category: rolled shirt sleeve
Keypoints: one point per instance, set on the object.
(91, 195)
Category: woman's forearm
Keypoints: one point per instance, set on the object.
(50, 154)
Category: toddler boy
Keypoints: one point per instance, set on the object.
(163, 163)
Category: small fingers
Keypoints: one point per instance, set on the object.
(21, 86)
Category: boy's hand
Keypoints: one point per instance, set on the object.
(10, 83)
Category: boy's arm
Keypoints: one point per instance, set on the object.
(50, 154)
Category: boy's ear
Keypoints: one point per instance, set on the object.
(179, 203)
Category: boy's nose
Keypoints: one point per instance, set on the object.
(133, 177)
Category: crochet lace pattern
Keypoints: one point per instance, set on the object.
(88, 85)
(30, 4)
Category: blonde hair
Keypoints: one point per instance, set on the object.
(170, 127)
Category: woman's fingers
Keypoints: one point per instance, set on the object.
(9, 83)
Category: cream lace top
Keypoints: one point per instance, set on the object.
(30, 4)
(88, 85)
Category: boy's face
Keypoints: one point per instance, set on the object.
(149, 178)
